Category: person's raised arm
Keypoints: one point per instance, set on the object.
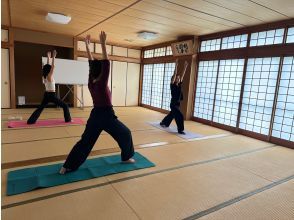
(175, 73)
(48, 56)
(50, 75)
(103, 45)
(184, 70)
(88, 42)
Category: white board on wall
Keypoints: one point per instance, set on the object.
(72, 72)
(86, 93)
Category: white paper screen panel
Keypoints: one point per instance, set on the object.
(133, 78)
(119, 85)
(134, 53)
(99, 50)
(119, 51)
(72, 72)
(82, 46)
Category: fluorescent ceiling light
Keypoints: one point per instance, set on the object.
(147, 35)
(58, 18)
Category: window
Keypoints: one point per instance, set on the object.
(237, 41)
(231, 42)
(251, 90)
(259, 92)
(267, 37)
(228, 91)
(210, 45)
(148, 53)
(169, 51)
(290, 35)
(157, 85)
(168, 73)
(146, 88)
(159, 52)
(207, 73)
(283, 126)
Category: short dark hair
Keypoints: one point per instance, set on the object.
(95, 69)
(46, 70)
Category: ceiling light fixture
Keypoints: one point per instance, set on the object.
(58, 18)
(147, 35)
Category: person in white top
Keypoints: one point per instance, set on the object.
(49, 95)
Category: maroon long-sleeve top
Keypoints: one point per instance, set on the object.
(99, 89)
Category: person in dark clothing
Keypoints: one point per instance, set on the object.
(102, 116)
(49, 95)
(176, 97)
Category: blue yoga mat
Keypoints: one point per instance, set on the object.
(25, 180)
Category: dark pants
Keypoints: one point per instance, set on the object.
(100, 119)
(49, 97)
(176, 114)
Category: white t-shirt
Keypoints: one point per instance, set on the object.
(49, 86)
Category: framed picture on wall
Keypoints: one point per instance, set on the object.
(182, 48)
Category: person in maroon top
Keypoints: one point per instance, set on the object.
(102, 116)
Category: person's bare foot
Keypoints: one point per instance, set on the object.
(63, 170)
(131, 160)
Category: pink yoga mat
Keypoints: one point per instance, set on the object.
(45, 123)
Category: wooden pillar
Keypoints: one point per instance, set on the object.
(11, 68)
(75, 43)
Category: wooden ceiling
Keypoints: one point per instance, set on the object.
(123, 19)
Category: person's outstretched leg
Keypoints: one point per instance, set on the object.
(66, 113)
(123, 137)
(36, 114)
(179, 118)
(83, 147)
(167, 120)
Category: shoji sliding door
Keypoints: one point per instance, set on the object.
(119, 83)
(259, 93)
(283, 126)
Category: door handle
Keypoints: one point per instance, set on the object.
(5, 83)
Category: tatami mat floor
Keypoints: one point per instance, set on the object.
(220, 176)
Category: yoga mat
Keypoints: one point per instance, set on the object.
(45, 123)
(174, 130)
(25, 180)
